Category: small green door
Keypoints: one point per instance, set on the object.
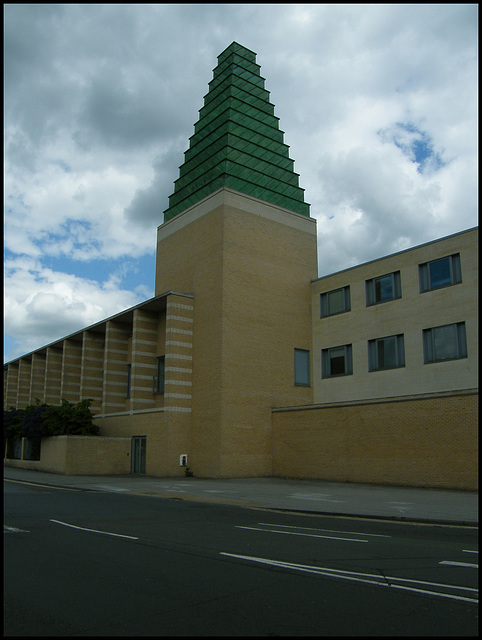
(138, 456)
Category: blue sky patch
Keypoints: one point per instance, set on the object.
(129, 273)
(415, 144)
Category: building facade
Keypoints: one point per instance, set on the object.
(394, 379)
(245, 363)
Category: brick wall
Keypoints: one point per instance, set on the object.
(429, 441)
(166, 439)
(80, 455)
(249, 266)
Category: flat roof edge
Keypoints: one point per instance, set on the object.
(91, 327)
(396, 253)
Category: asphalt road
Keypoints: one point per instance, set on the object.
(92, 563)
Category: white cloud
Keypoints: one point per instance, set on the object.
(43, 305)
(100, 101)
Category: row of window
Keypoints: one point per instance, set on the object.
(442, 272)
(447, 342)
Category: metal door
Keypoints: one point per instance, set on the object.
(138, 459)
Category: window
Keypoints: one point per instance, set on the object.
(302, 368)
(336, 361)
(158, 382)
(447, 342)
(440, 273)
(383, 288)
(386, 353)
(333, 302)
(31, 448)
(128, 391)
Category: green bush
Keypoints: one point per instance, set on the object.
(12, 423)
(32, 424)
(68, 419)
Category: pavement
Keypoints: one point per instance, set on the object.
(410, 504)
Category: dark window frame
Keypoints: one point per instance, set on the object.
(430, 355)
(426, 273)
(328, 361)
(129, 377)
(374, 349)
(373, 297)
(325, 311)
(302, 368)
(160, 379)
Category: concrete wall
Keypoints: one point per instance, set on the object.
(427, 441)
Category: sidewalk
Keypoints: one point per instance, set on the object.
(313, 496)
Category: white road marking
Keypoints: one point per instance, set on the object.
(294, 533)
(105, 533)
(469, 551)
(13, 530)
(377, 535)
(460, 564)
(353, 576)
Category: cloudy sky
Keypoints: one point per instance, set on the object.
(378, 104)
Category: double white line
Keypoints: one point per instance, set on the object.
(367, 578)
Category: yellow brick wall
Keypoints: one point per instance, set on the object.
(71, 370)
(114, 392)
(167, 437)
(11, 385)
(80, 455)
(53, 373)
(189, 259)
(93, 455)
(268, 265)
(429, 441)
(248, 266)
(24, 378)
(92, 369)
(37, 381)
(143, 359)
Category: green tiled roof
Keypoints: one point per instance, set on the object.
(237, 142)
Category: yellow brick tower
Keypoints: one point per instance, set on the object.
(238, 237)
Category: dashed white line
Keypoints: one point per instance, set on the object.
(7, 529)
(459, 564)
(308, 535)
(376, 535)
(105, 533)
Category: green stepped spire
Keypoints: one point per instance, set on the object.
(237, 142)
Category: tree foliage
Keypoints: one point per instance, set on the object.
(42, 420)
(70, 419)
(12, 423)
(32, 424)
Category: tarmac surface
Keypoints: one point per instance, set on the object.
(410, 504)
